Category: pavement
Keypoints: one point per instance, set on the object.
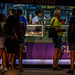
(43, 71)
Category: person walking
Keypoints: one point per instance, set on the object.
(58, 39)
(71, 40)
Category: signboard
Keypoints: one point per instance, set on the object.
(42, 2)
(44, 51)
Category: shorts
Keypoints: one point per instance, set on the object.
(72, 45)
(57, 42)
(21, 40)
(11, 45)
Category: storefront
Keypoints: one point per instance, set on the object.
(39, 48)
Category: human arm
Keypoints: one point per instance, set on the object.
(59, 30)
(57, 26)
(30, 22)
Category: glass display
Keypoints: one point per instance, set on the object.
(34, 30)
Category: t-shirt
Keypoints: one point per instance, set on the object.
(72, 21)
(2, 42)
(22, 19)
(57, 23)
(2, 39)
(35, 19)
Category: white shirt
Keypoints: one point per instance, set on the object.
(2, 39)
(35, 19)
(2, 42)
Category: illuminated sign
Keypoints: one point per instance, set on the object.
(42, 2)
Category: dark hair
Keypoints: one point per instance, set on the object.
(19, 11)
(73, 11)
(4, 18)
(1, 17)
(38, 11)
(11, 21)
(13, 11)
(17, 16)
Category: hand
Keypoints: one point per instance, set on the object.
(64, 30)
(11, 37)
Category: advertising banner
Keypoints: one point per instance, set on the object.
(44, 51)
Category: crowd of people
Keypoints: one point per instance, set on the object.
(12, 36)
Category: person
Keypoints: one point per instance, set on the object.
(2, 46)
(21, 38)
(12, 12)
(71, 40)
(35, 19)
(57, 40)
(11, 38)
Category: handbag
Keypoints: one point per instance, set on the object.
(21, 28)
(52, 33)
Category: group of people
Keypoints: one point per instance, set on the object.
(12, 35)
(55, 23)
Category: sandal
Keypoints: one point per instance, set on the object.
(58, 68)
(70, 71)
(54, 68)
(21, 70)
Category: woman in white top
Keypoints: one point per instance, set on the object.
(2, 39)
(35, 19)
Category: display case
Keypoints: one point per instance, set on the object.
(64, 37)
(39, 33)
(34, 30)
(34, 33)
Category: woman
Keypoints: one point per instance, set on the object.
(35, 19)
(22, 21)
(71, 40)
(2, 38)
(11, 39)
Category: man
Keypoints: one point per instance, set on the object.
(71, 40)
(57, 40)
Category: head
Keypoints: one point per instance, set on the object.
(12, 72)
(57, 13)
(4, 18)
(1, 17)
(19, 11)
(12, 11)
(17, 16)
(38, 13)
(73, 11)
(11, 21)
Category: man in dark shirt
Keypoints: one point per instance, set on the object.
(71, 40)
